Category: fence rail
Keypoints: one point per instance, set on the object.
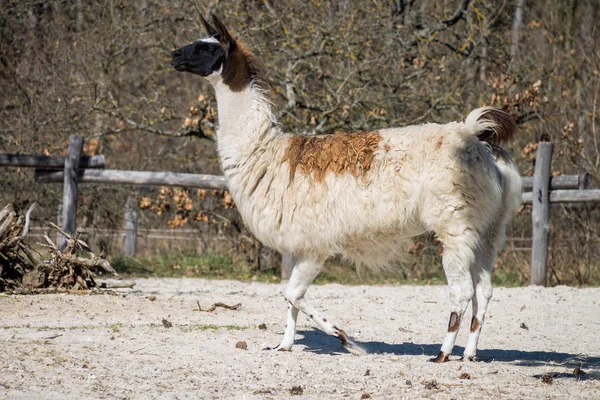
(48, 162)
(567, 196)
(581, 181)
(144, 178)
(539, 191)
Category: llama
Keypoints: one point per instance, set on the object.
(360, 195)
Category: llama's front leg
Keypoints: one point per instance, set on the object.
(304, 273)
(328, 327)
(461, 292)
(290, 330)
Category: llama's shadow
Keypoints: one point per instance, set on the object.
(317, 341)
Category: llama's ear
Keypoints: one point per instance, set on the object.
(223, 35)
(211, 31)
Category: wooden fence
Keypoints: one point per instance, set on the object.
(539, 191)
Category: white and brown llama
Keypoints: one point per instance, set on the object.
(361, 195)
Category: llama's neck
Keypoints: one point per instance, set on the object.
(245, 124)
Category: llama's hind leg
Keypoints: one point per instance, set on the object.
(456, 262)
(481, 273)
(303, 274)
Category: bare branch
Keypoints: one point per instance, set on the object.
(459, 14)
(195, 131)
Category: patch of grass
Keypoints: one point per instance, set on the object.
(190, 264)
(336, 271)
(116, 327)
(507, 279)
(425, 269)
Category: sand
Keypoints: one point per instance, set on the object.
(117, 346)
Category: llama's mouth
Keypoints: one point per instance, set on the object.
(179, 65)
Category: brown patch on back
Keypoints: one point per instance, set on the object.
(454, 322)
(504, 130)
(242, 67)
(474, 324)
(339, 153)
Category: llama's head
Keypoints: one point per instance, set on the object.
(219, 57)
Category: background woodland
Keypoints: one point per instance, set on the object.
(101, 68)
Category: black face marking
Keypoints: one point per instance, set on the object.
(220, 52)
(200, 58)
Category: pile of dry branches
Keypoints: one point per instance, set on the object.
(71, 268)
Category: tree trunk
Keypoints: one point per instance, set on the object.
(514, 37)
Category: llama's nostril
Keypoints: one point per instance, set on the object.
(176, 53)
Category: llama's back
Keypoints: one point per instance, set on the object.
(365, 195)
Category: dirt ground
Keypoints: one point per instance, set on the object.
(117, 346)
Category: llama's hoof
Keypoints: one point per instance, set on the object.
(441, 358)
(468, 358)
(355, 349)
(276, 348)
(350, 345)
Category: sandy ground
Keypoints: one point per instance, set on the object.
(116, 346)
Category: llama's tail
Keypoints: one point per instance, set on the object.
(491, 125)
(495, 127)
(512, 186)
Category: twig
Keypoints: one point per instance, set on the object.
(105, 285)
(7, 221)
(135, 351)
(215, 305)
(451, 384)
(29, 255)
(25, 230)
(94, 262)
(460, 11)
(83, 244)
(27, 221)
(50, 244)
(55, 291)
(53, 336)
(5, 211)
(183, 132)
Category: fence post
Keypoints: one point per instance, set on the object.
(540, 212)
(131, 226)
(59, 221)
(69, 214)
(583, 179)
(287, 265)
